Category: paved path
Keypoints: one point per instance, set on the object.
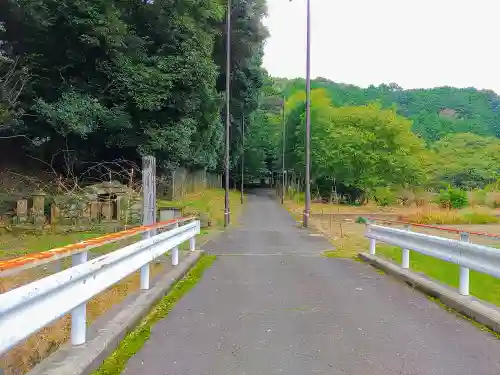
(270, 305)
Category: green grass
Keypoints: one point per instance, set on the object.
(134, 341)
(340, 254)
(22, 245)
(209, 202)
(480, 218)
(482, 286)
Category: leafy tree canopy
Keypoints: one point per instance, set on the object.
(356, 147)
(466, 160)
(435, 112)
(117, 79)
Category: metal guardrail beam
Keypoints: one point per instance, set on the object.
(13, 266)
(467, 255)
(27, 309)
(436, 227)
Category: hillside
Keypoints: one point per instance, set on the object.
(435, 112)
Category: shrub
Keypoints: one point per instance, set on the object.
(493, 199)
(295, 195)
(453, 198)
(495, 186)
(477, 197)
(384, 196)
(361, 220)
(406, 197)
(413, 196)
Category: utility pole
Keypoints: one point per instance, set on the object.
(307, 209)
(228, 123)
(284, 148)
(242, 156)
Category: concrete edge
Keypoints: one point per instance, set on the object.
(476, 309)
(85, 359)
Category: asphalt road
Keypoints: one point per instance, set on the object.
(271, 305)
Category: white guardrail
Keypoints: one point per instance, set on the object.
(29, 308)
(480, 258)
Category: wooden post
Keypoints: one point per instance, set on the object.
(149, 207)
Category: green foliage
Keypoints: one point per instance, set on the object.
(12, 81)
(114, 79)
(447, 119)
(357, 148)
(412, 196)
(477, 197)
(465, 160)
(434, 112)
(361, 220)
(453, 198)
(384, 196)
(493, 199)
(480, 218)
(494, 186)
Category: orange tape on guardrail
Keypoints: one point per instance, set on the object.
(453, 230)
(93, 242)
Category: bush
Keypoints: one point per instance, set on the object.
(493, 199)
(406, 197)
(413, 196)
(493, 187)
(453, 198)
(384, 196)
(295, 195)
(477, 197)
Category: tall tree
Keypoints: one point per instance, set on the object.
(116, 78)
(466, 160)
(247, 75)
(356, 147)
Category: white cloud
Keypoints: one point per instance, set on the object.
(415, 43)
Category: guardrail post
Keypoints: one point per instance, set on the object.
(406, 252)
(373, 242)
(192, 243)
(464, 272)
(175, 251)
(79, 313)
(148, 207)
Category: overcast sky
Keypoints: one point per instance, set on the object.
(414, 43)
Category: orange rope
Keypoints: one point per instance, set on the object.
(112, 237)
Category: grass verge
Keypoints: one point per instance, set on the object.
(209, 202)
(482, 286)
(15, 246)
(135, 340)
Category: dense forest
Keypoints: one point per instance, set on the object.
(108, 80)
(434, 112)
(365, 139)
